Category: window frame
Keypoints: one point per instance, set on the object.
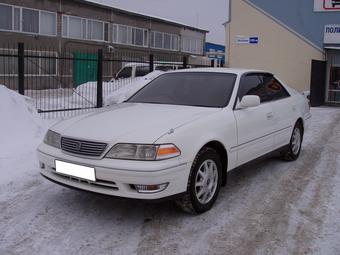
(153, 44)
(13, 30)
(262, 74)
(82, 36)
(130, 35)
(197, 41)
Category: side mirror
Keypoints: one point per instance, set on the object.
(250, 101)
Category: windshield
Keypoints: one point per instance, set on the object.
(204, 89)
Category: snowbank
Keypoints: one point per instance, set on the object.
(125, 92)
(114, 92)
(21, 128)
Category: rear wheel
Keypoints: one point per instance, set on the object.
(204, 183)
(292, 152)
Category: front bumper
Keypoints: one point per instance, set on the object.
(117, 181)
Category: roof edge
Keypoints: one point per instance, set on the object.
(285, 26)
(142, 15)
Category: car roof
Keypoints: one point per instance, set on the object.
(238, 71)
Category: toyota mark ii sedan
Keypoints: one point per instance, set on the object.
(177, 136)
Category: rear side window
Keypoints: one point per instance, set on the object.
(274, 88)
(263, 85)
(142, 70)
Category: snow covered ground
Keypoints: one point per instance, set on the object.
(272, 207)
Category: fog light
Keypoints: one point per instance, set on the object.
(141, 188)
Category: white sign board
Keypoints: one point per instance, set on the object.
(247, 39)
(332, 34)
(326, 5)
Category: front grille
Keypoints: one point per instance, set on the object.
(110, 185)
(81, 147)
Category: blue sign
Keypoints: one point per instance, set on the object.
(253, 40)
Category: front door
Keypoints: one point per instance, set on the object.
(255, 125)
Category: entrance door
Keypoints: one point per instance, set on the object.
(318, 79)
(333, 88)
(84, 68)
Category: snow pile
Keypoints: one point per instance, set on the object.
(114, 91)
(21, 128)
(125, 92)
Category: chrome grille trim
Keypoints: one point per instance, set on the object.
(81, 147)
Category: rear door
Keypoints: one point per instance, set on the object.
(284, 110)
(255, 125)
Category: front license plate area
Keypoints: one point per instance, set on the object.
(74, 170)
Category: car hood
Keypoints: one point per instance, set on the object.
(130, 122)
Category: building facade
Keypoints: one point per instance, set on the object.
(64, 23)
(297, 40)
(54, 28)
(216, 53)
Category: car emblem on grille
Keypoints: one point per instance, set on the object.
(78, 146)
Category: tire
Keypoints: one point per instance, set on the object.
(292, 152)
(194, 202)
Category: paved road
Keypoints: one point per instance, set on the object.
(272, 207)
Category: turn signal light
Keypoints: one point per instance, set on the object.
(167, 151)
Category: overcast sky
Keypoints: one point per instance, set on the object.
(202, 13)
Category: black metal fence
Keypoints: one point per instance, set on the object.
(64, 82)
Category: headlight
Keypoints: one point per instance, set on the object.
(143, 152)
(52, 138)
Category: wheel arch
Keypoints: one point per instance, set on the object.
(300, 121)
(222, 152)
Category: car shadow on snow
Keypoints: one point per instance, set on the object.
(92, 203)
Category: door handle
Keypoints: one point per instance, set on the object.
(270, 116)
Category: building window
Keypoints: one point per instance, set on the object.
(6, 19)
(86, 29)
(166, 41)
(37, 63)
(19, 19)
(192, 45)
(30, 21)
(129, 35)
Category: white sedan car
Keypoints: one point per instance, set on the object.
(178, 136)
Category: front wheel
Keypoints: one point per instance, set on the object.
(292, 152)
(204, 183)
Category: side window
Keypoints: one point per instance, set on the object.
(263, 85)
(125, 73)
(142, 70)
(252, 84)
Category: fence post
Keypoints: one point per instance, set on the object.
(185, 62)
(21, 69)
(151, 61)
(100, 79)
